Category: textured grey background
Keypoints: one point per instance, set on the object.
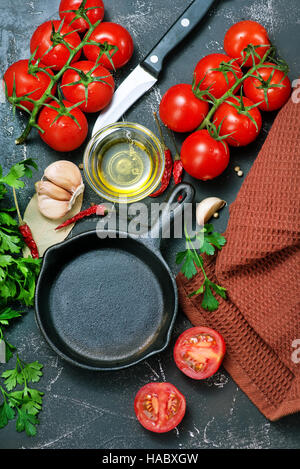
(95, 410)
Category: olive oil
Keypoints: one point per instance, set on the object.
(125, 166)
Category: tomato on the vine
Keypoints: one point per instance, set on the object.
(235, 121)
(41, 42)
(26, 79)
(159, 407)
(216, 81)
(243, 33)
(199, 352)
(80, 24)
(181, 110)
(99, 92)
(270, 82)
(62, 133)
(204, 157)
(111, 34)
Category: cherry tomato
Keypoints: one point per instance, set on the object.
(27, 80)
(80, 24)
(277, 96)
(199, 352)
(99, 92)
(240, 35)
(112, 34)
(42, 41)
(64, 134)
(159, 407)
(203, 157)
(215, 80)
(180, 110)
(236, 122)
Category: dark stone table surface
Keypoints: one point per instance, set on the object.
(84, 409)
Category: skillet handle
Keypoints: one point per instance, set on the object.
(172, 209)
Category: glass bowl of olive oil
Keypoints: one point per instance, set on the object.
(124, 162)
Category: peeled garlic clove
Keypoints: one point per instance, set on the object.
(64, 174)
(207, 207)
(52, 208)
(52, 190)
(78, 191)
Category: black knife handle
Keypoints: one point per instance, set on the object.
(180, 29)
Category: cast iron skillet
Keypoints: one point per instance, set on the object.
(106, 304)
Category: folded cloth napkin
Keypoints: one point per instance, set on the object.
(259, 267)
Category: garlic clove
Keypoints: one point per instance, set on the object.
(64, 174)
(78, 191)
(52, 190)
(206, 209)
(52, 208)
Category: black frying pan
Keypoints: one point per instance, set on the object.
(106, 304)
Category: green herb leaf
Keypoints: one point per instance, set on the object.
(208, 240)
(6, 414)
(190, 261)
(209, 302)
(26, 422)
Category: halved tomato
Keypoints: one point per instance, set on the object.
(199, 352)
(159, 407)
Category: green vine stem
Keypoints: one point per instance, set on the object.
(37, 104)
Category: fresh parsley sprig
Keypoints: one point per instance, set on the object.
(17, 286)
(207, 241)
(24, 403)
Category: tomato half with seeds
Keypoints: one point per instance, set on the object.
(159, 407)
(95, 13)
(199, 352)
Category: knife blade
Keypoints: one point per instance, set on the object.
(146, 74)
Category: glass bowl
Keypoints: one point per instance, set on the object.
(124, 162)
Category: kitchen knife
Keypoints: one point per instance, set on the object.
(145, 75)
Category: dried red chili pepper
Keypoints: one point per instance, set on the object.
(26, 231)
(177, 171)
(178, 167)
(168, 164)
(94, 209)
(28, 239)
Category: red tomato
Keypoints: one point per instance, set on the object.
(63, 134)
(159, 407)
(240, 35)
(27, 80)
(180, 110)
(99, 92)
(113, 34)
(199, 352)
(42, 41)
(237, 122)
(80, 24)
(277, 96)
(216, 79)
(203, 157)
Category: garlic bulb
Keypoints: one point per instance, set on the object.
(206, 209)
(57, 191)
